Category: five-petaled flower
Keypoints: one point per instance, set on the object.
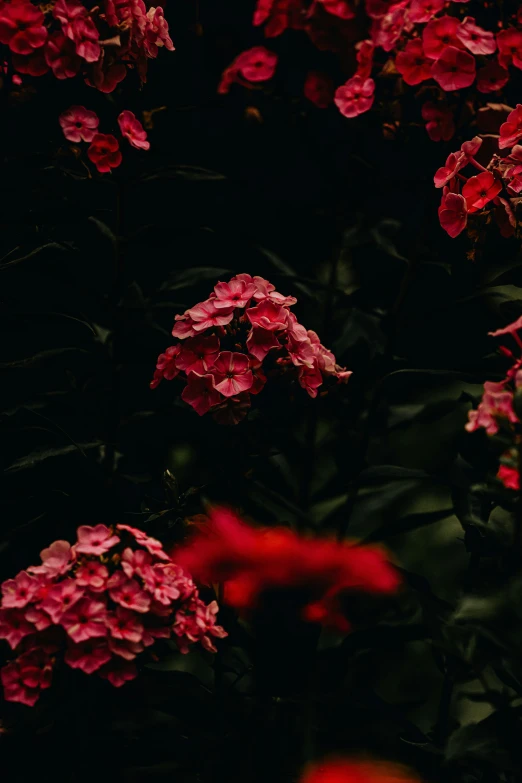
(132, 129)
(79, 124)
(22, 26)
(104, 152)
(355, 96)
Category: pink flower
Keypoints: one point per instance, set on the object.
(237, 293)
(268, 315)
(37, 617)
(421, 11)
(183, 328)
(104, 152)
(79, 27)
(105, 76)
(509, 477)
(387, 31)
(492, 77)
(85, 620)
(133, 130)
(509, 44)
(231, 372)
(454, 69)
(95, 540)
(412, 63)
(319, 89)
(260, 341)
(14, 627)
(18, 592)
(364, 57)
(36, 669)
(454, 162)
(127, 650)
(124, 624)
(135, 562)
(497, 402)
(200, 392)
(475, 38)
(453, 214)
(119, 672)
(152, 545)
(339, 8)
(310, 379)
(198, 625)
(79, 124)
(128, 593)
(165, 583)
(440, 34)
(511, 130)
(255, 65)
(61, 57)
(31, 64)
(439, 121)
(511, 328)
(205, 315)
(481, 189)
(166, 366)
(157, 32)
(22, 26)
(56, 559)
(198, 354)
(14, 687)
(355, 96)
(60, 598)
(93, 575)
(88, 656)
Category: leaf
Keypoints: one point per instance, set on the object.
(408, 523)
(194, 664)
(487, 741)
(186, 172)
(32, 361)
(381, 236)
(377, 473)
(33, 254)
(104, 229)
(193, 276)
(37, 457)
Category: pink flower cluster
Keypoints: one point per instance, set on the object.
(498, 185)
(99, 603)
(80, 124)
(496, 406)
(100, 41)
(438, 42)
(232, 341)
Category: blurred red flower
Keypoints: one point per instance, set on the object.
(353, 771)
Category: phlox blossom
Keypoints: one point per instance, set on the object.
(104, 152)
(412, 63)
(22, 26)
(509, 44)
(439, 34)
(132, 129)
(453, 213)
(355, 96)
(496, 403)
(492, 77)
(439, 121)
(481, 189)
(95, 540)
(511, 130)
(79, 124)
(475, 38)
(454, 69)
(319, 89)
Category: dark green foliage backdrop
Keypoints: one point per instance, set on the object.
(92, 273)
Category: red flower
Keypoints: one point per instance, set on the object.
(475, 38)
(31, 64)
(339, 8)
(14, 627)
(197, 354)
(412, 63)
(509, 476)
(88, 656)
(105, 77)
(79, 27)
(439, 34)
(133, 130)
(232, 410)
(364, 57)
(260, 341)
(22, 26)
(319, 89)
(421, 11)
(104, 152)
(166, 366)
(61, 57)
(15, 688)
(232, 373)
(481, 189)
(496, 403)
(268, 315)
(454, 69)
(79, 124)
(157, 32)
(310, 379)
(439, 121)
(281, 15)
(251, 562)
(511, 130)
(255, 65)
(200, 392)
(509, 44)
(355, 96)
(453, 214)
(205, 315)
(492, 77)
(353, 771)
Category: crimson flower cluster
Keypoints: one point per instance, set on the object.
(80, 124)
(100, 603)
(496, 411)
(437, 42)
(69, 38)
(498, 185)
(357, 771)
(227, 343)
(250, 562)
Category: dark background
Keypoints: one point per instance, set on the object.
(93, 270)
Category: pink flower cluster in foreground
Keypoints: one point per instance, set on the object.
(497, 186)
(496, 410)
(99, 41)
(99, 603)
(446, 46)
(229, 344)
(80, 124)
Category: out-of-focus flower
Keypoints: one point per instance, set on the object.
(22, 26)
(355, 771)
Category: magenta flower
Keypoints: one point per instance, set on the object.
(135, 562)
(61, 57)
(132, 129)
(22, 26)
(38, 618)
(439, 121)
(355, 96)
(231, 372)
(511, 130)
(79, 124)
(60, 598)
(152, 545)
(85, 620)
(412, 63)
(497, 402)
(18, 592)
(236, 293)
(454, 70)
(88, 656)
(200, 392)
(93, 575)
(475, 38)
(205, 314)
(454, 163)
(440, 34)
(79, 27)
(124, 649)
(268, 315)
(260, 341)
(14, 627)
(14, 687)
(509, 44)
(481, 189)
(310, 379)
(128, 593)
(183, 327)
(162, 584)
(124, 624)
(453, 213)
(157, 32)
(492, 77)
(166, 366)
(104, 152)
(95, 540)
(118, 673)
(421, 11)
(197, 354)
(319, 89)
(56, 560)
(35, 668)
